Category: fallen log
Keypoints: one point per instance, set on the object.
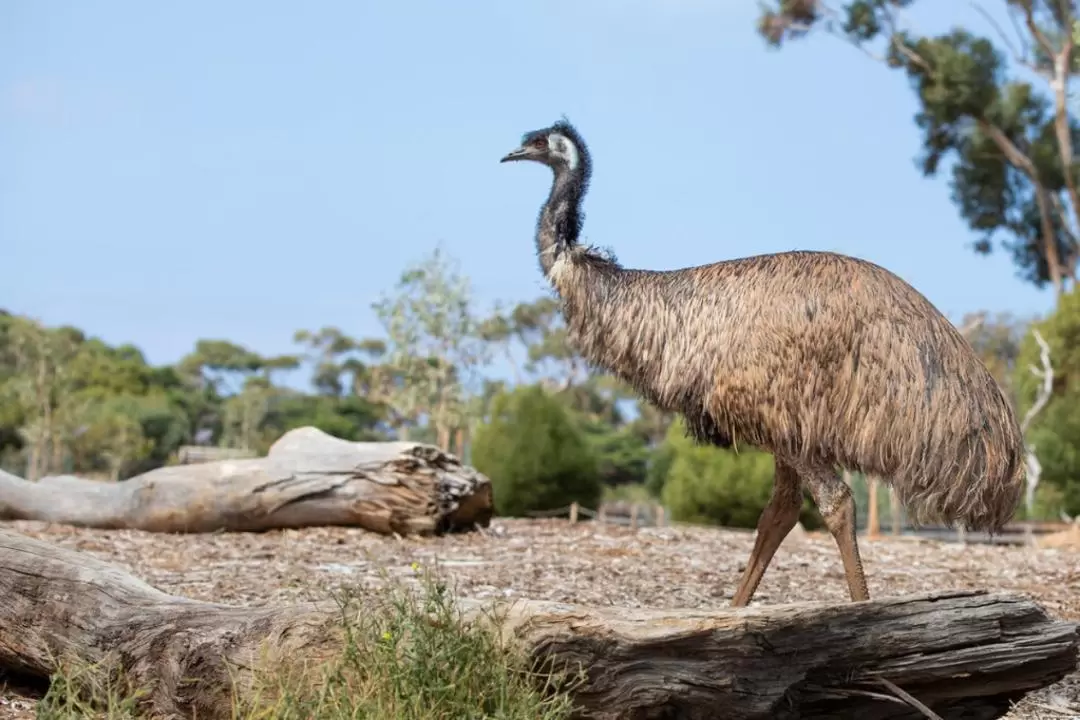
(307, 478)
(963, 654)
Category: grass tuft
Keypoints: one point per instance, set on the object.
(408, 654)
(81, 690)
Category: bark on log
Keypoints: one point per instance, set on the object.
(307, 478)
(964, 654)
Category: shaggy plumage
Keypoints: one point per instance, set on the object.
(824, 360)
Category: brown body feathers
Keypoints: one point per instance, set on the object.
(817, 357)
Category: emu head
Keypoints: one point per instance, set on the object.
(559, 147)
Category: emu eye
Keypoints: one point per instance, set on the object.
(539, 142)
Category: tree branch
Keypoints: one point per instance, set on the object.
(1034, 467)
(972, 324)
(1066, 224)
(1061, 68)
(1022, 162)
(1046, 374)
(834, 19)
(1028, 8)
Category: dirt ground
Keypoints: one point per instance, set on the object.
(585, 563)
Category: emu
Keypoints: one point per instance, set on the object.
(825, 360)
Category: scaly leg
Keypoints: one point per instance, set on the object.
(837, 506)
(776, 521)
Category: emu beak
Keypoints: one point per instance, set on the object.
(519, 154)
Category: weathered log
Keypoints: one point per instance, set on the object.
(307, 478)
(964, 654)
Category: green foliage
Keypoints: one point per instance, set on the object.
(621, 454)
(1056, 438)
(1014, 174)
(539, 334)
(344, 364)
(165, 422)
(656, 476)
(712, 486)
(1055, 431)
(535, 454)
(244, 414)
(350, 418)
(631, 493)
(997, 340)
(74, 403)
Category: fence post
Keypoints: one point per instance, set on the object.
(660, 516)
(873, 524)
(894, 512)
(633, 516)
(573, 512)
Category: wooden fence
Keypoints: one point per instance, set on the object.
(634, 515)
(196, 454)
(638, 515)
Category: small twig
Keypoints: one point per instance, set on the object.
(1012, 13)
(912, 56)
(973, 324)
(1065, 711)
(998, 29)
(1020, 58)
(842, 693)
(909, 699)
(1028, 8)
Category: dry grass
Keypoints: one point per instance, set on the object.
(584, 563)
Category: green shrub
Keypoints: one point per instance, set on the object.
(709, 485)
(620, 452)
(630, 492)
(660, 465)
(535, 454)
(1055, 431)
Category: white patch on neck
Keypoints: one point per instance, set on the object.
(559, 268)
(564, 147)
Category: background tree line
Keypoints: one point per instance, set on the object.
(502, 388)
(996, 113)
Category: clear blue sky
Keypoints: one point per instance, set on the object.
(241, 169)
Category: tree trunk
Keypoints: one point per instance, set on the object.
(873, 522)
(964, 654)
(895, 514)
(307, 478)
(32, 462)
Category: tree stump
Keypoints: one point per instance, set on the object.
(963, 654)
(307, 478)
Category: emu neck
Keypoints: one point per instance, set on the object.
(560, 220)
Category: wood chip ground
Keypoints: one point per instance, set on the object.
(587, 563)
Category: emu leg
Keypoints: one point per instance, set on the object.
(776, 521)
(837, 505)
